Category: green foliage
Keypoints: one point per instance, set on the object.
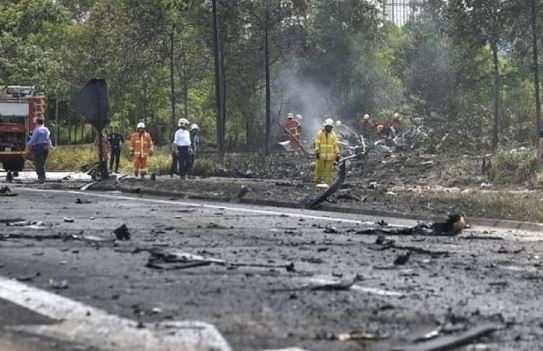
(71, 158)
(328, 57)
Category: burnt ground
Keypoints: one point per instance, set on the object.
(408, 185)
(450, 283)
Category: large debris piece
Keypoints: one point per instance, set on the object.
(450, 342)
(173, 259)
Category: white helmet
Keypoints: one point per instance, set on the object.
(140, 125)
(338, 123)
(194, 127)
(182, 122)
(299, 116)
(329, 122)
(290, 115)
(366, 117)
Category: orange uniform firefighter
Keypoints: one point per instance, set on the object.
(326, 152)
(141, 147)
(294, 127)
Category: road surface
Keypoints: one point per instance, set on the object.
(65, 285)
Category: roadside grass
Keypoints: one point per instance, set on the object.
(518, 166)
(78, 157)
(500, 204)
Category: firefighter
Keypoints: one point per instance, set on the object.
(115, 141)
(367, 127)
(194, 143)
(326, 152)
(181, 141)
(395, 126)
(141, 147)
(294, 127)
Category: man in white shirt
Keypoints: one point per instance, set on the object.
(182, 142)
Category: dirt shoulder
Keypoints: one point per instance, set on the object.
(409, 201)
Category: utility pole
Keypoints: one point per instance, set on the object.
(535, 14)
(218, 83)
(267, 68)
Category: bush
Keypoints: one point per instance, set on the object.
(71, 157)
(80, 157)
(514, 166)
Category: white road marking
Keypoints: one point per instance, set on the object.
(369, 290)
(90, 326)
(215, 207)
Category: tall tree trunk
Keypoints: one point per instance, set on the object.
(535, 14)
(56, 121)
(172, 81)
(218, 84)
(495, 127)
(267, 68)
(184, 79)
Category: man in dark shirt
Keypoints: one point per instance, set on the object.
(115, 141)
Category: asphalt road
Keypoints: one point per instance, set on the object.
(254, 302)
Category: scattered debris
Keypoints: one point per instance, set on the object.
(452, 226)
(58, 284)
(122, 233)
(350, 336)
(358, 335)
(30, 236)
(242, 192)
(344, 284)
(6, 191)
(11, 220)
(313, 204)
(28, 278)
(89, 238)
(449, 342)
(324, 284)
(330, 230)
(87, 186)
(82, 201)
(402, 259)
(27, 224)
(173, 259)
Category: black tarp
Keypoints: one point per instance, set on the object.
(93, 104)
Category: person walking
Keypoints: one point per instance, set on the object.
(141, 148)
(38, 146)
(326, 153)
(115, 140)
(182, 141)
(194, 144)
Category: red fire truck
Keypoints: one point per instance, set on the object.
(20, 106)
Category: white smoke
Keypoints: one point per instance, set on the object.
(299, 96)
